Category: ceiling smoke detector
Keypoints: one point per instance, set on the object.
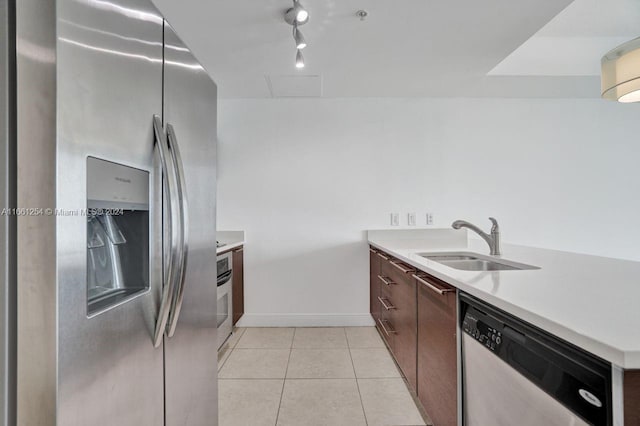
(362, 14)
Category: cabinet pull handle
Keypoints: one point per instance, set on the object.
(238, 250)
(398, 265)
(387, 307)
(382, 256)
(384, 280)
(389, 331)
(373, 250)
(434, 287)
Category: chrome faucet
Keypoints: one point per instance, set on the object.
(493, 240)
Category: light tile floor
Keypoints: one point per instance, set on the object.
(312, 376)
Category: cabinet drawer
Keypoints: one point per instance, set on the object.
(399, 293)
(396, 270)
(386, 282)
(385, 301)
(405, 322)
(387, 328)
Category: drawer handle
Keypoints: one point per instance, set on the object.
(239, 250)
(384, 280)
(387, 307)
(390, 331)
(373, 250)
(434, 287)
(382, 256)
(402, 268)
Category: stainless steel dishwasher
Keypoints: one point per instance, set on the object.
(516, 374)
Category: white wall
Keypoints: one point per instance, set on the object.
(306, 178)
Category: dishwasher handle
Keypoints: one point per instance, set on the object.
(514, 335)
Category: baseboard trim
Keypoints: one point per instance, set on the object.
(305, 320)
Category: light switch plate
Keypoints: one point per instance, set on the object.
(411, 219)
(395, 219)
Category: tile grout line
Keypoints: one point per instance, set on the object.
(231, 349)
(311, 378)
(284, 381)
(225, 360)
(364, 413)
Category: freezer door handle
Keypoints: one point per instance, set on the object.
(169, 191)
(183, 227)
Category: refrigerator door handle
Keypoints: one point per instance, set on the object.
(184, 229)
(168, 191)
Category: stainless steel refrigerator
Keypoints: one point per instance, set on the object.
(109, 259)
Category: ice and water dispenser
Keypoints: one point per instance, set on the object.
(117, 233)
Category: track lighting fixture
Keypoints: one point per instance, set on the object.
(296, 16)
(299, 38)
(299, 59)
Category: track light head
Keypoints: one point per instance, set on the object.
(297, 14)
(299, 59)
(299, 38)
(302, 15)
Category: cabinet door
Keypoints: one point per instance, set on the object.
(437, 356)
(405, 319)
(631, 397)
(238, 284)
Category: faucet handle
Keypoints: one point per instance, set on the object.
(495, 227)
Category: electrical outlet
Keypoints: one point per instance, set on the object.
(429, 218)
(395, 219)
(411, 219)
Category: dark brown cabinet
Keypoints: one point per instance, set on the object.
(631, 397)
(386, 301)
(380, 292)
(374, 284)
(416, 316)
(404, 319)
(437, 350)
(238, 283)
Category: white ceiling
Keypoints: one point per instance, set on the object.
(573, 42)
(404, 48)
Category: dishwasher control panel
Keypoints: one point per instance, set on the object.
(489, 335)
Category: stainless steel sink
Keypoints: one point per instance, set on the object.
(475, 262)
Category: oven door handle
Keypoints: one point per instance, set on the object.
(169, 190)
(178, 298)
(224, 278)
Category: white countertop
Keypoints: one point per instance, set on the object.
(231, 240)
(590, 301)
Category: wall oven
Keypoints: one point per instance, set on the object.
(224, 312)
